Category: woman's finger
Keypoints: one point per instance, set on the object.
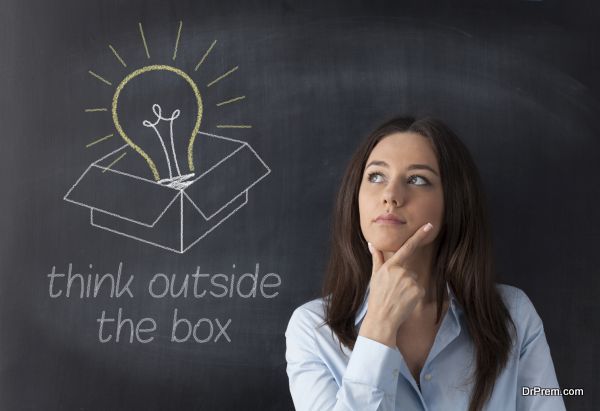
(377, 257)
(410, 245)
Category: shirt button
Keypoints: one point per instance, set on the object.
(428, 377)
(395, 371)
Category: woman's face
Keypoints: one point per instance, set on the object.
(401, 179)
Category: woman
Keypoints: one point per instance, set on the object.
(410, 242)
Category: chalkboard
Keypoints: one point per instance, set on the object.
(121, 293)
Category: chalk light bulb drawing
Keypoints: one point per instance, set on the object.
(170, 155)
(197, 180)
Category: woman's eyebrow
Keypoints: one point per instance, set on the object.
(377, 163)
(422, 167)
(411, 167)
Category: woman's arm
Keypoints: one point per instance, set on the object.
(536, 368)
(369, 382)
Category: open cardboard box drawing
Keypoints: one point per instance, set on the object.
(124, 198)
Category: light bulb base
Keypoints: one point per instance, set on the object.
(178, 182)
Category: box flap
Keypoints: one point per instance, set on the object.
(104, 187)
(227, 178)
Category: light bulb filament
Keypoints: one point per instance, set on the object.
(174, 115)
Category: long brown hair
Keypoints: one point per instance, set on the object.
(462, 254)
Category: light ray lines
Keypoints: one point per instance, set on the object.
(114, 162)
(117, 55)
(204, 56)
(233, 100)
(99, 140)
(222, 76)
(102, 79)
(144, 40)
(177, 41)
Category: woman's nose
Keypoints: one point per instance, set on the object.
(393, 197)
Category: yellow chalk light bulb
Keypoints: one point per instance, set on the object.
(158, 113)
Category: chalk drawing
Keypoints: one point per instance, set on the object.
(180, 198)
(182, 203)
(204, 56)
(102, 79)
(233, 100)
(99, 140)
(117, 55)
(114, 162)
(144, 40)
(158, 113)
(177, 41)
(117, 123)
(222, 76)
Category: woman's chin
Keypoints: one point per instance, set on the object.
(387, 246)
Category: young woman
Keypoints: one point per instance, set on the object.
(411, 318)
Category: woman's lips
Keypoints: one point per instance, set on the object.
(389, 219)
(389, 222)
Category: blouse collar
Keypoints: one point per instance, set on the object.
(362, 311)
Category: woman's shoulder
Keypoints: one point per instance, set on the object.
(310, 313)
(306, 318)
(510, 294)
(514, 298)
(522, 312)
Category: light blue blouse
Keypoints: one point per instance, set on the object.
(374, 376)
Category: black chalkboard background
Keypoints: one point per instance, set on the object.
(519, 83)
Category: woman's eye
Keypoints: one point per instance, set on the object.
(413, 178)
(375, 177)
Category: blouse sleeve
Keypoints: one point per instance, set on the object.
(536, 368)
(369, 382)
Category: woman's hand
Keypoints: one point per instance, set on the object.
(394, 291)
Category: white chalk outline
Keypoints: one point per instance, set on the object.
(219, 223)
(157, 110)
(94, 164)
(180, 193)
(181, 250)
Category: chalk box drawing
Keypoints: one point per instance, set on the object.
(172, 217)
